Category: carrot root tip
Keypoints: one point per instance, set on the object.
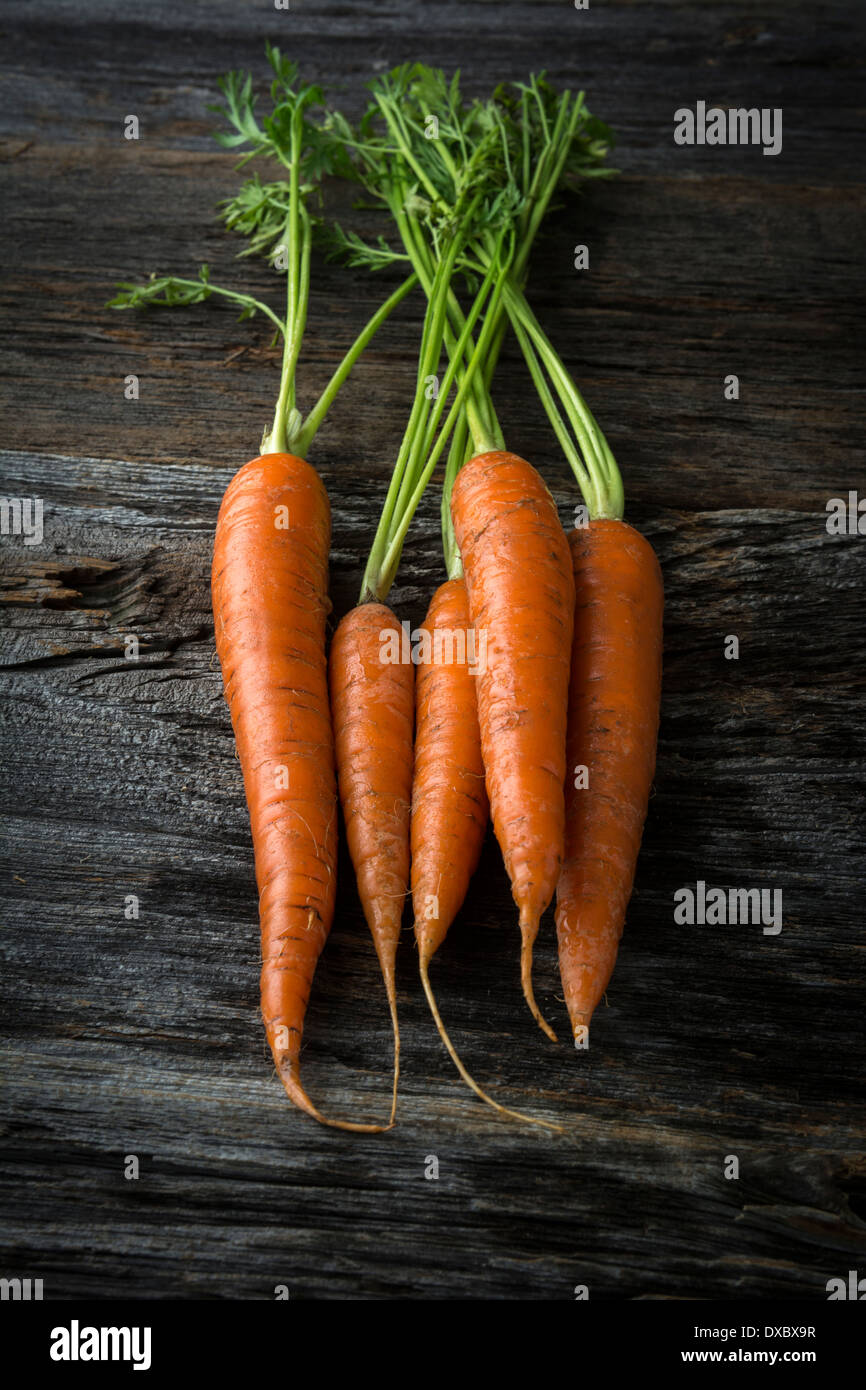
(287, 1070)
(528, 930)
(470, 1081)
(392, 1005)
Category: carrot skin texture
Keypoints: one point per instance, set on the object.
(613, 719)
(372, 701)
(449, 798)
(269, 586)
(521, 595)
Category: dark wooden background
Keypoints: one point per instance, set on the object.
(143, 1037)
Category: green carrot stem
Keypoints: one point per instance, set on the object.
(428, 364)
(420, 406)
(585, 480)
(599, 478)
(286, 419)
(422, 445)
(294, 223)
(392, 557)
(481, 413)
(460, 451)
(308, 430)
(464, 344)
(263, 212)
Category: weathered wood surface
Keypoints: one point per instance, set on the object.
(119, 777)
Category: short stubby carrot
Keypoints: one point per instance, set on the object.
(521, 598)
(372, 699)
(613, 717)
(449, 798)
(270, 603)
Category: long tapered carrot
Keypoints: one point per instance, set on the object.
(521, 597)
(545, 138)
(449, 798)
(269, 587)
(372, 700)
(372, 676)
(270, 572)
(613, 716)
(615, 688)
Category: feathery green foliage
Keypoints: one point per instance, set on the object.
(275, 221)
(419, 150)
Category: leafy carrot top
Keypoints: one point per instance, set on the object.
(276, 220)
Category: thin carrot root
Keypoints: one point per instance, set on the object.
(392, 1005)
(470, 1081)
(528, 930)
(298, 1096)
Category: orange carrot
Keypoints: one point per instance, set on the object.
(613, 717)
(615, 688)
(521, 596)
(270, 585)
(372, 701)
(270, 566)
(449, 799)
(372, 674)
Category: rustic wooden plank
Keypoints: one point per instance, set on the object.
(143, 1036)
(636, 61)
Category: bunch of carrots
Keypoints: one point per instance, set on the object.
(536, 700)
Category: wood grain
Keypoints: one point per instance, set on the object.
(119, 775)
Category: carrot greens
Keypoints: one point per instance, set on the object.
(416, 152)
(276, 219)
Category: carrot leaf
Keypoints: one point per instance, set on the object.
(275, 219)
